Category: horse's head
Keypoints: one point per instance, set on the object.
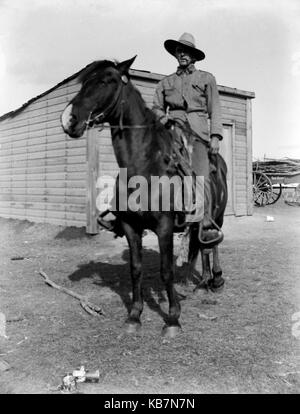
(101, 84)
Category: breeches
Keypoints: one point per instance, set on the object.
(200, 162)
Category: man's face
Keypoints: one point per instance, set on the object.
(183, 56)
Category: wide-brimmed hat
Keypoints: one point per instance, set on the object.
(188, 41)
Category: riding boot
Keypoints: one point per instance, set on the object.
(209, 232)
(109, 221)
(107, 218)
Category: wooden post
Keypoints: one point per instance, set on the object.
(92, 177)
(249, 158)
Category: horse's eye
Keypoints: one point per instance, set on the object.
(98, 82)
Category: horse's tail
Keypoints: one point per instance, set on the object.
(219, 191)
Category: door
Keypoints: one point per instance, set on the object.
(226, 150)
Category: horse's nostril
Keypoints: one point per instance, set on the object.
(72, 120)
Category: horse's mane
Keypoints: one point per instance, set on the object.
(95, 67)
(163, 136)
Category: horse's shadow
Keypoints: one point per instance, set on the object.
(117, 278)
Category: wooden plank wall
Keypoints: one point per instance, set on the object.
(234, 110)
(42, 171)
(249, 158)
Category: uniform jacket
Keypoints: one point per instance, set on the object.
(190, 95)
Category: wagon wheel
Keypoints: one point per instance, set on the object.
(262, 189)
(276, 193)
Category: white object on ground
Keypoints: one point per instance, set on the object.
(3, 325)
(270, 218)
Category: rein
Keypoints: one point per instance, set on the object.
(102, 126)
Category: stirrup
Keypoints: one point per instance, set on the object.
(212, 242)
(108, 225)
(179, 224)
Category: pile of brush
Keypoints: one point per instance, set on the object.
(284, 166)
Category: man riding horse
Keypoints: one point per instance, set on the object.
(184, 102)
(146, 149)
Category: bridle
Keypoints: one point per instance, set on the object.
(99, 118)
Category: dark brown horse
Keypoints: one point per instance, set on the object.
(141, 145)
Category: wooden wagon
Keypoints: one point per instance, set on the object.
(269, 178)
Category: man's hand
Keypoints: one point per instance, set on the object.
(170, 123)
(214, 145)
(167, 121)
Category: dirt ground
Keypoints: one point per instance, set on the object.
(243, 340)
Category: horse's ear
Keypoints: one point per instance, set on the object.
(124, 67)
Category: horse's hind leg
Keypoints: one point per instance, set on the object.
(165, 239)
(206, 271)
(134, 239)
(194, 250)
(217, 282)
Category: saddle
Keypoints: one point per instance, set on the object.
(179, 162)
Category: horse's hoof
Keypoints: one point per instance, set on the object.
(181, 291)
(132, 327)
(202, 287)
(216, 285)
(171, 331)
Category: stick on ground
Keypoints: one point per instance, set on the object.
(87, 306)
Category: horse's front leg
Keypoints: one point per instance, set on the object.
(134, 238)
(165, 239)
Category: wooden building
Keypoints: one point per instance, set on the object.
(48, 177)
